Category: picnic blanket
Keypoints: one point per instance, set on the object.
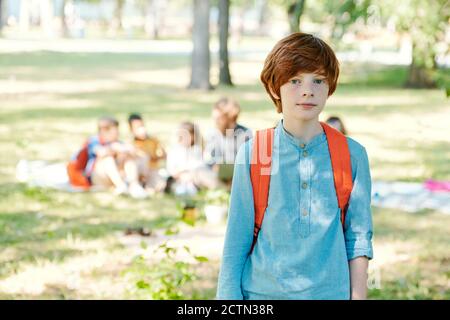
(43, 174)
(411, 196)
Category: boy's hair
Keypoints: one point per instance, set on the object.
(132, 117)
(298, 52)
(107, 122)
(228, 106)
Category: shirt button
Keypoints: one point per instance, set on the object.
(302, 145)
(304, 185)
(305, 153)
(305, 212)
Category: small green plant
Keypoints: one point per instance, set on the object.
(188, 210)
(216, 197)
(165, 279)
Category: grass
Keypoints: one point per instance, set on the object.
(55, 245)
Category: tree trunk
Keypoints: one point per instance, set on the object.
(420, 72)
(419, 77)
(155, 19)
(118, 15)
(1, 16)
(64, 27)
(262, 16)
(224, 20)
(295, 12)
(200, 53)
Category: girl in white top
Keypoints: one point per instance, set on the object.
(185, 162)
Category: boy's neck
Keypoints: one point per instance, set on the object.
(303, 130)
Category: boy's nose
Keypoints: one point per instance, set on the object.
(307, 90)
(307, 93)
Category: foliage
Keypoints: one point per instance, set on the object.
(426, 22)
(216, 197)
(165, 279)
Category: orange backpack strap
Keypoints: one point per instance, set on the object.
(342, 167)
(260, 168)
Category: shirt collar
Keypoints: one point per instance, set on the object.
(286, 136)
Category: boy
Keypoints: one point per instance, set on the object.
(224, 142)
(303, 251)
(111, 162)
(150, 153)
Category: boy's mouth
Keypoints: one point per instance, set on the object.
(306, 106)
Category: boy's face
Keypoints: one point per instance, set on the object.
(138, 129)
(304, 96)
(109, 133)
(220, 119)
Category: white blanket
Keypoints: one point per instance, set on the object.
(409, 196)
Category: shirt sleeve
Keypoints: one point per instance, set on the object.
(93, 145)
(239, 234)
(358, 220)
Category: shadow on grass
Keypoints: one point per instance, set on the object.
(423, 226)
(43, 224)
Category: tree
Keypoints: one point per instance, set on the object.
(339, 15)
(224, 20)
(1, 16)
(263, 8)
(149, 9)
(425, 22)
(118, 11)
(64, 27)
(295, 12)
(200, 54)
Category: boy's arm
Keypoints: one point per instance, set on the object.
(358, 227)
(358, 278)
(239, 235)
(160, 151)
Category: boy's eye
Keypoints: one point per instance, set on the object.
(318, 81)
(295, 81)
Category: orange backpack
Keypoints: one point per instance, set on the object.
(75, 169)
(262, 161)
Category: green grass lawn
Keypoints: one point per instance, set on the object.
(50, 102)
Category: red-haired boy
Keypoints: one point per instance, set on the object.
(312, 243)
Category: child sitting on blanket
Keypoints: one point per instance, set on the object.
(105, 161)
(185, 164)
(150, 153)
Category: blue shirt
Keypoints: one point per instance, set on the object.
(93, 144)
(302, 251)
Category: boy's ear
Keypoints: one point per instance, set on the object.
(272, 92)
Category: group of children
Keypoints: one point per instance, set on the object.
(143, 167)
